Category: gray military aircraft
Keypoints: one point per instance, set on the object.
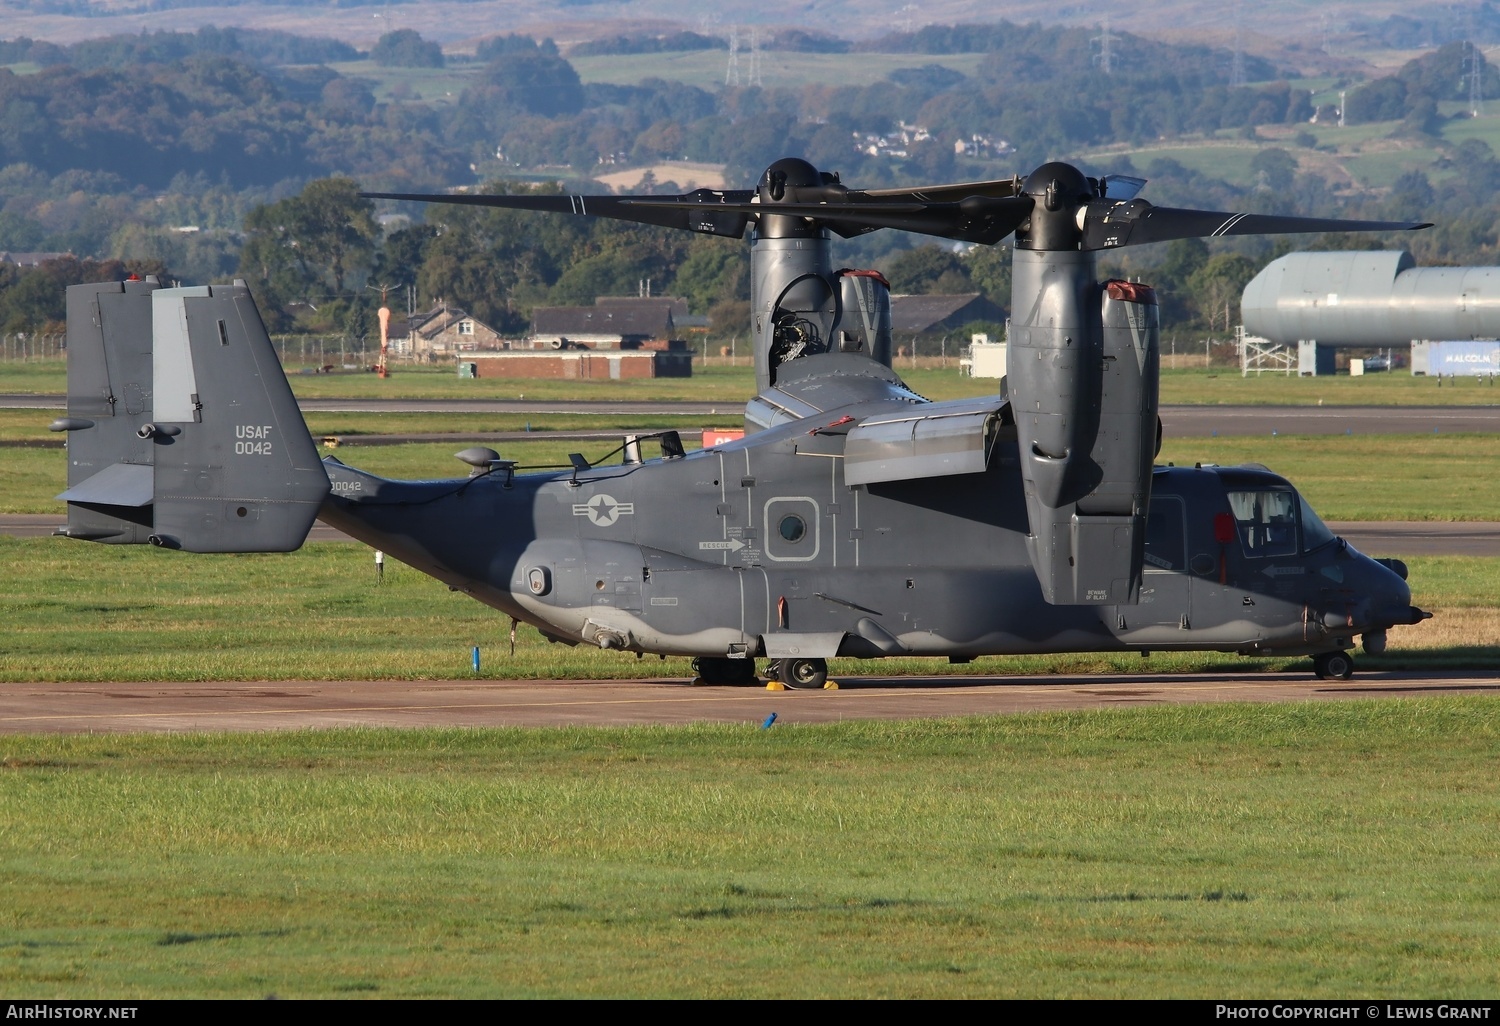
(856, 518)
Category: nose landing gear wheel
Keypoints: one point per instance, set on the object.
(1333, 666)
(809, 674)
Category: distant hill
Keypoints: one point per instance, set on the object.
(1267, 25)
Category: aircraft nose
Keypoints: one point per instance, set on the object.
(1387, 596)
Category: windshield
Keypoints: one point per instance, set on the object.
(1267, 521)
(1315, 533)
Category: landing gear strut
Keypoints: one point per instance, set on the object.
(1333, 665)
(725, 672)
(800, 673)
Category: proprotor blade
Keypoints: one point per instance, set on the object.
(971, 219)
(947, 193)
(974, 219)
(1137, 222)
(706, 211)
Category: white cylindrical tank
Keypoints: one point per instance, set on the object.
(1369, 299)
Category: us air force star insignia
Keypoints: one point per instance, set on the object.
(602, 510)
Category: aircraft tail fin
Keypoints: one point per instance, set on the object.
(189, 437)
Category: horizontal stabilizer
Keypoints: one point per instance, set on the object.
(124, 484)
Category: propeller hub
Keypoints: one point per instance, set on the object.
(1059, 190)
(794, 180)
(787, 174)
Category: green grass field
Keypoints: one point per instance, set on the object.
(75, 611)
(706, 68)
(1372, 155)
(1180, 384)
(1305, 850)
(436, 86)
(1369, 477)
(703, 68)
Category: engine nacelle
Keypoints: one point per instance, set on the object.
(1082, 372)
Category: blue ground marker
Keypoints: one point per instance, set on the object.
(769, 720)
(476, 658)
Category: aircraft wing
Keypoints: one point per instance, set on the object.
(932, 440)
(890, 432)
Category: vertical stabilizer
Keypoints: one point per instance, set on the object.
(236, 470)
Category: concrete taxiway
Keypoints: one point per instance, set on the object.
(244, 706)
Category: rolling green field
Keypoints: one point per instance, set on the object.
(706, 68)
(1372, 156)
(1308, 850)
(702, 68)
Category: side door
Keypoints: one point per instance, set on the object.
(1165, 586)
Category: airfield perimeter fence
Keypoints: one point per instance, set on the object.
(24, 346)
(346, 352)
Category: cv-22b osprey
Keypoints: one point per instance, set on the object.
(855, 519)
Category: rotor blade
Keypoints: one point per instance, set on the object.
(705, 210)
(1137, 222)
(950, 193)
(974, 219)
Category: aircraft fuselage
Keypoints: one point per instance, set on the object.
(760, 548)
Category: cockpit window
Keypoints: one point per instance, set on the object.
(1267, 521)
(1315, 533)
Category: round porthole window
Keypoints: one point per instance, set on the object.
(792, 528)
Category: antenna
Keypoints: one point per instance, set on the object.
(754, 77)
(1237, 61)
(1105, 57)
(1476, 82)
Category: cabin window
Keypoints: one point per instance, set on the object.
(1267, 521)
(792, 533)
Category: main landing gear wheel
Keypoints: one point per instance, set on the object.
(1333, 666)
(725, 672)
(810, 674)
